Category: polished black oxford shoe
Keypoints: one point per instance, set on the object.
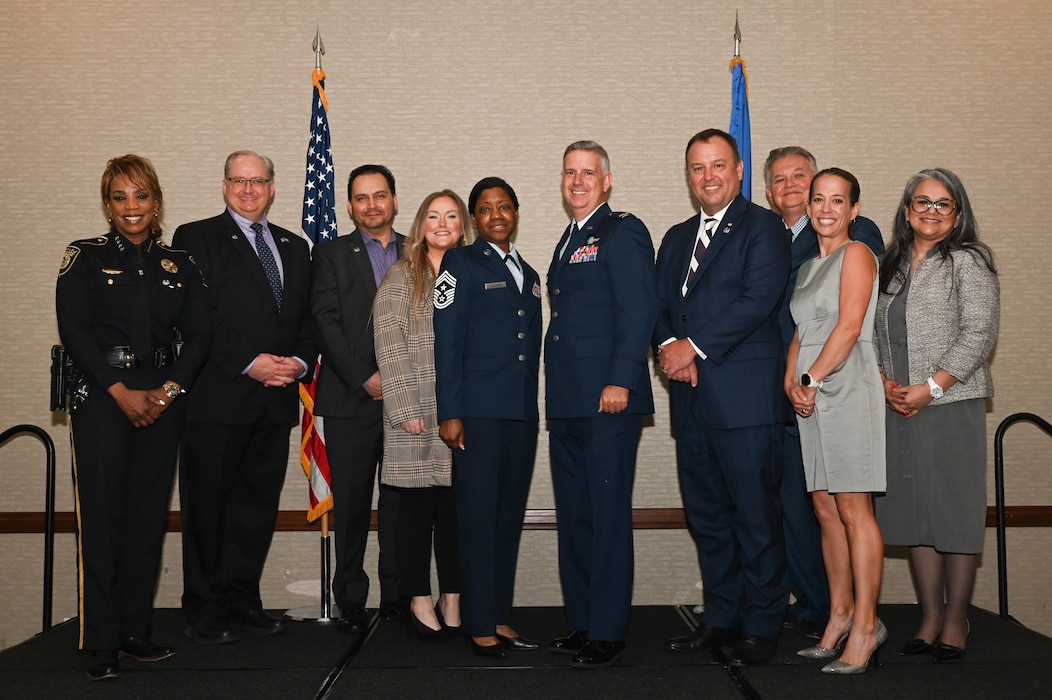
(104, 665)
(210, 631)
(751, 650)
(570, 644)
(142, 649)
(352, 619)
(598, 654)
(255, 621)
(704, 638)
(811, 630)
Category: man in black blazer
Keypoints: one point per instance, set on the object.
(788, 173)
(346, 273)
(721, 275)
(597, 387)
(235, 446)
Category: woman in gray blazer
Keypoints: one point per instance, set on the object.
(416, 461)
(936, 325)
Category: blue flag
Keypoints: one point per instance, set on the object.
(319, 198)
(739, 128)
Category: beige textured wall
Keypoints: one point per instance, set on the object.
(447, 92)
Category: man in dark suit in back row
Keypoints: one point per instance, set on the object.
(235, 447)
(721, 275)
(346, 274)
(788, 173)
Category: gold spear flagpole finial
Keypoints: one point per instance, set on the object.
(319, 49)
(737, 36)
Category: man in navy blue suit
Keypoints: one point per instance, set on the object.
(720, 277)
(597, 385)
(788, 173)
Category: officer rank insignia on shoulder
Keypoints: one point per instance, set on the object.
(445, 289)
(620, 214)
(169, 266)
(68, 258)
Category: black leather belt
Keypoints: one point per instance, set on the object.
(121, 357)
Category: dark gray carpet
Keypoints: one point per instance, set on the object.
(1004, 660)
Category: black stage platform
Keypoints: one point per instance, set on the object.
(1004, 660)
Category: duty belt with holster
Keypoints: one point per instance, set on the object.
(69, 382)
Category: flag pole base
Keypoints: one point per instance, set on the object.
(326, 612)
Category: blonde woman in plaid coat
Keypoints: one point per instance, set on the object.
(416, 461)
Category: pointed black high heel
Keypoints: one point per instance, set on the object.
(413, 626)
(941, 651)
(451, 632)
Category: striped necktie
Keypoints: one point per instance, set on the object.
(704, 237)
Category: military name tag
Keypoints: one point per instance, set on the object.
(496, 285)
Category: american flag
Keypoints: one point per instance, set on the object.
(319, 224)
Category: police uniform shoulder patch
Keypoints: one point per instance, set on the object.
(445, 289)
(68, 258)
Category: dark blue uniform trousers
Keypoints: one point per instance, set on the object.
(491, 479)
(593, 470)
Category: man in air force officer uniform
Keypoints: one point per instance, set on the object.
(601, 289)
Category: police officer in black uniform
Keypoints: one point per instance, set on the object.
(121, 299)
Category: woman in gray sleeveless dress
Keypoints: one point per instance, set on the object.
(833, 383)
(936, 324)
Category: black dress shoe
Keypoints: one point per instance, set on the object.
(811, 630)
(392, 609)
(491, 651)
(570, 644)
(916, 647)
(255, 621)
(142, 649)
(520, 643)
(210, 631)
(752, 650)
(413, 626)
(946, 652)
(352, 619)
(104, 665)
(598, 654)
(704, 638)
(451, 632)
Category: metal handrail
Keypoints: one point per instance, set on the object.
(49, 507)
(999, 495)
